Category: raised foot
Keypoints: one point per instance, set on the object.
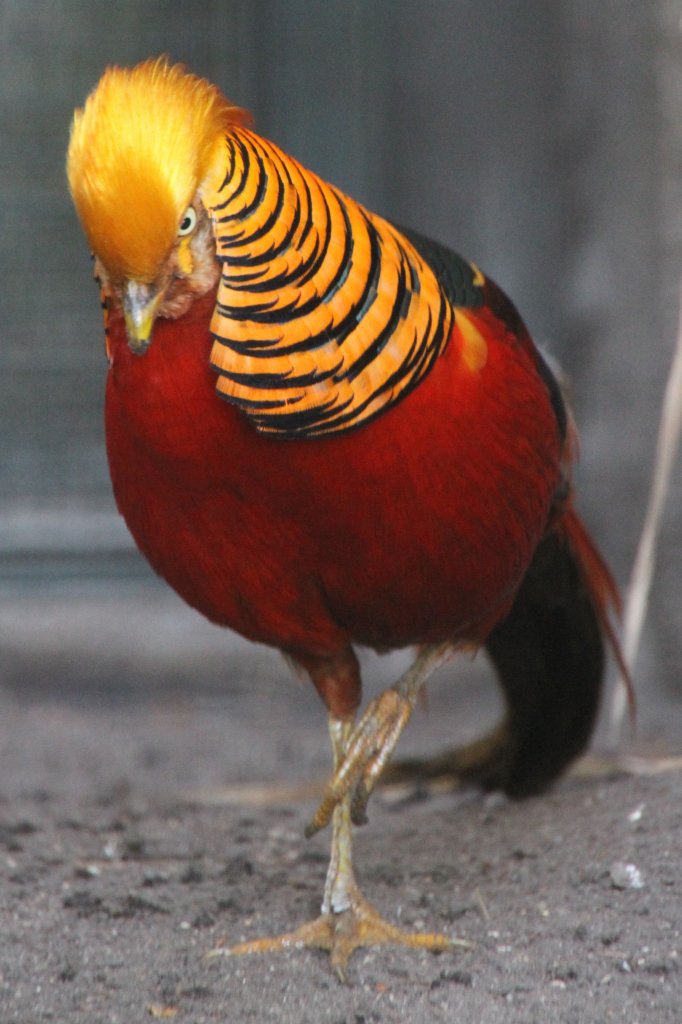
(342, 933)
(369, 747)
(371, 742)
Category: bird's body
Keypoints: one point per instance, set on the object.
(339, 433)
(269, 537)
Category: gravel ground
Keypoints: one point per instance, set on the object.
(150, 808)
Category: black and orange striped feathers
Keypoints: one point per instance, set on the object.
(325, 313)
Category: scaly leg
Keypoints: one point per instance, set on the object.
(347, 921)
(373, 739)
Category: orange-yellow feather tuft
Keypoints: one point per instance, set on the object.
(139, 150)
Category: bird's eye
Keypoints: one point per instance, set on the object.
(188, 222)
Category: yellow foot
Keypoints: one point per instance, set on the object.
(342, 933)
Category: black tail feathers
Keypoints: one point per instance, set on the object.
(549, 656)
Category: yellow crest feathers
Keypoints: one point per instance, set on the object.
(139, 150)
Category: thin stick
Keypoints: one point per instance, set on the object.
(639, 586)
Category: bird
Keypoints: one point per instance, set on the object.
(328, 432)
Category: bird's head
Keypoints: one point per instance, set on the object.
(140, 150)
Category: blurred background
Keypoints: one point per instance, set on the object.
(542, 140)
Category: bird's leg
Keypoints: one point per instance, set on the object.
(354, 921)
(373, 739)
(340, 870)
(347, 920)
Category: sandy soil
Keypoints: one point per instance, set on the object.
(144, 817)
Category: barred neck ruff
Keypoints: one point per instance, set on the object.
(326, 315)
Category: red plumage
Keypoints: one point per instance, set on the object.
(392, 465)
(417, 529)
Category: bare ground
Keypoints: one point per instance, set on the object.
(145, 817)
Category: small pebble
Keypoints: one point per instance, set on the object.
(87, 871)
(626, 876)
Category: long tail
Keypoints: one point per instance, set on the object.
(549, 654)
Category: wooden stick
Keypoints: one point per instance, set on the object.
(639, 587)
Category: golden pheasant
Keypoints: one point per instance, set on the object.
(327, 431)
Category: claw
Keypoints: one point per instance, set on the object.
(358, 804)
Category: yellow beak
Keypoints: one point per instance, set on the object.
(140, 306)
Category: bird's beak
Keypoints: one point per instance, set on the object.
(140, 306)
